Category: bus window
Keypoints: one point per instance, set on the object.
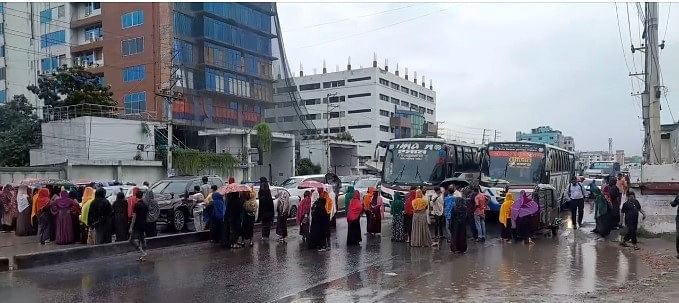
(467, 154)
(459, 158)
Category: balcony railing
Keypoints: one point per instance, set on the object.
(94, 110)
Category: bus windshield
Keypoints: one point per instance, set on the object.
(414, 163)
(516, 164)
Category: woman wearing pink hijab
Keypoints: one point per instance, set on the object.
(523, 214)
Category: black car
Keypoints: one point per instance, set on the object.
(171, 194)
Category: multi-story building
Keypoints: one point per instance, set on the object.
(547, 135)
(587, 157)
(372, 104)
(568, 143)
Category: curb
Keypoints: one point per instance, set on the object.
(45, 258)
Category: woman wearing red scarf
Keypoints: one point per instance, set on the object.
(354, 220)
(408, 218)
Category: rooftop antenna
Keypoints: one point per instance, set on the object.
(374, 60)
(324, 69)
(423, 81)
(349, 63)
(415, 77)
(386, 64)
(431, 85)
(301, 70)
(396, 69)
(406, 71)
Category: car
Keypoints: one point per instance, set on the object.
(292, 184)
(176, 209)
(112, 191)
(275, 190)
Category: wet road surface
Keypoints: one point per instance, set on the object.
(555, 269)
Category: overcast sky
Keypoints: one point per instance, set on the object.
(510, 67)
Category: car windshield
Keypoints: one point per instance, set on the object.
(601, 165)
(170, 187)
(365, 183)
(516, 166)
(291, 183)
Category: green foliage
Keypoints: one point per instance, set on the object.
(79, 87)
(263, 136)
(192, 162)
(345, 137)
(306, 167)
(19, 132)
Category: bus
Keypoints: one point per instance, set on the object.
(525, 165)
(426, 162)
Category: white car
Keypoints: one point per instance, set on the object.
(293, 184)
(112, 191)
(294, 200)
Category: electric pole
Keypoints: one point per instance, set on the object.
(483, 138)
(495, 136)
(651, 95)
(327, 131)
(170, 96)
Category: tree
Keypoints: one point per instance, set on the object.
(306, 167)
(345, 136)
(263, 140)
(19, 132)
(77, 85)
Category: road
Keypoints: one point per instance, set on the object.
(571, 267)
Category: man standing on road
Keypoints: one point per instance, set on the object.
(205, 188)
(576, 195)
(675, 203)
(138, 227)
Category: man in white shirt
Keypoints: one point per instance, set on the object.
(576, 195)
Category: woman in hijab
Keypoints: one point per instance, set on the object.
(397, 228)
(366, 205)
(217, 219)
(100, 217)
(24, 208)
(522, 216)
(249, 212)
(9, 207)
(319, 225)
(420, 236)
(153, 214)
(121, 224)
(505, 217)
(283, 209)
(75, 213)
(376, 212)
(354, 220)
(303, 215)
(601, 211)
(41, 210)
(234, 205)
(131, 201)
(61, 210)
(266, 209)
(458, 226)
(408, 217)
(88, 197)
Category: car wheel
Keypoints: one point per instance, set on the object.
(179, 220)
(293, 211)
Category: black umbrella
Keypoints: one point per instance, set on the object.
(460, 183)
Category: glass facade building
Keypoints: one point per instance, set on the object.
(417, 122)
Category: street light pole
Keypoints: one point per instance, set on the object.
(327, 131)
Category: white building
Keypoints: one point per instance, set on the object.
(372, 104)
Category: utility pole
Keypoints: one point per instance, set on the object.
(327, 131)
(170, 96)
(495, 136)
(483, 138)
(651, 95)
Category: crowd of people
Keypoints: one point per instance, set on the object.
(80, 215)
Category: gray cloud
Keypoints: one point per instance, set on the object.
(507, 66)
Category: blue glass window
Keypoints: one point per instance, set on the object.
(46, 16)
(183, 24)
(133, 18)
(132, 46)
(226, 33)
(184, 51)
(53, 38)
(93, 33)
(134, 73)
(241, 14)
(135, 103)
(49, 64)
(3, 96)
(2, 51)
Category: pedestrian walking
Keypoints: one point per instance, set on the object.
(631, 210)
(304, 214)
(153, 213)
(408, 217)
(138, 227)
(437, 212)
(576, 197)
(217, 216)
(249, 212)
(601, 212)
(523, 214)
(469, 195)
(421, 236)
(8, 208)
(41, 210)
(121, 223)
(283, 209)
(480, 207)
(132, 200)
(615, 196)
(62, 212)
(397, 214)
(354, 220)
(319, 225)
(376, 212)
(458, 229)
(675, 203)
(23, 227)
(621, 184)
(266, 209)
(505, 217)
(448, 205)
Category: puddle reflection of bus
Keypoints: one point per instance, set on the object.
(426, 162)
(528, 165)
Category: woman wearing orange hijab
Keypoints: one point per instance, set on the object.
(41, 210)
(421, 236)
(354, 220)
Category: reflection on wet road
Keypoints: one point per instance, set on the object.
(380, 270)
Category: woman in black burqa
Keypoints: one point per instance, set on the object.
(266, 209)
